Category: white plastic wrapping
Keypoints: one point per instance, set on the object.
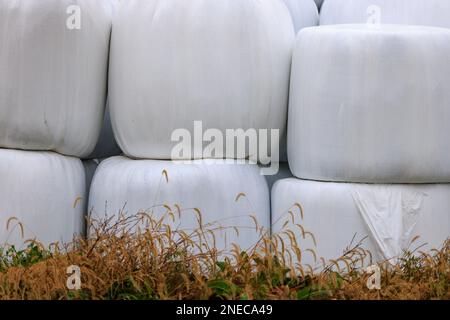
(226, 195)
(43, 191)
(389, 215)
(370, 104)
(415, 12)
(225, 63)
(53, 74)
(304, 13)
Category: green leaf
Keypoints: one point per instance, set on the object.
(313, 291)
(221, 287)
(244, 297)
(221, 265)
(304, 294)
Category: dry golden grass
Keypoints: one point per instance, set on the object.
(120, 261)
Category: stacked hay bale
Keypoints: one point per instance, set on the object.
(368, 121)
(53, 79)
(224, 63)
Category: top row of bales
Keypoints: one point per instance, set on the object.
(171, 63)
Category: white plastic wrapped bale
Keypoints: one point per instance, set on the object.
(304, 13)
(335, 213)
(45, 193)
(435, 13)
(226, 195)
(371, 104)
(53, 74)
(224, 62)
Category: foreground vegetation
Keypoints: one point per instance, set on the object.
(160, 263)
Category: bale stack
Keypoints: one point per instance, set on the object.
(367, 133)
(369, 122)
(53, 80)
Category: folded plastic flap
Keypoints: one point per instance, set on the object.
(390, 213)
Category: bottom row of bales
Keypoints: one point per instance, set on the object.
(44, 197)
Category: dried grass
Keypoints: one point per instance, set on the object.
(122, 261)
